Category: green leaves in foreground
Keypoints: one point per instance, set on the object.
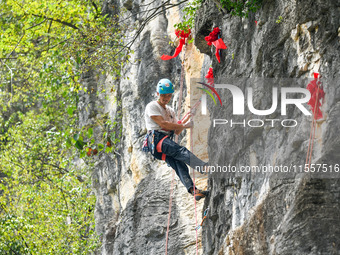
(241, 8)
(46, 200)
(47, 203)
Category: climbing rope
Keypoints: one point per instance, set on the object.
(219, 45)
(180, 93)
(191, 111)
(193, 179)
(169, 215)
(176, 140)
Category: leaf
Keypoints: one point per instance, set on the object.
(79, 145)
(82, 154)
(89, 132)
(70, 111)
(68, 142)
(100, 146)
(76, 136)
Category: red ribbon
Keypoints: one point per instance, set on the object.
(210, 76)
(212, 38)
(177, 51)
(219, 44)
(316, 91)
(183, 35)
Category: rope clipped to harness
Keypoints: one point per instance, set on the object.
(204, 217)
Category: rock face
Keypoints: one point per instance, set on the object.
(249, 214)
(267, 213)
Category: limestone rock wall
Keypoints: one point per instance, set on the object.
(268, 214)
(248, 214)
(132, 188)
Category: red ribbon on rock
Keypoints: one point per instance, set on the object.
(317, 94)
(180, 34)
(219, 44)
(210, 76)
(212, 39)
(213, 36)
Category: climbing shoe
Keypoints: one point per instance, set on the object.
(199, 194)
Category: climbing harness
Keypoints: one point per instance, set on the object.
(159, 145)
(204, 217)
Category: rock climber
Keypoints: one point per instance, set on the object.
(161, 123)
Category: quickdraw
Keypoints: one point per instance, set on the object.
(204, 217)
(145, 147)
(153, 142)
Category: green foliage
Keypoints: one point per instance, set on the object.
(73, 31)
(46, 46)
(47, 202)
(85, 139)
(241, 8)
(190, 11)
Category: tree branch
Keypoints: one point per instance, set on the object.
(36, 24)
(96, 8)
(165, 6)
(48, 34)
(58, 20)
(219, 5)
(16, 45)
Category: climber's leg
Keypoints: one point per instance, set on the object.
(180, 153)
(182, 172)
